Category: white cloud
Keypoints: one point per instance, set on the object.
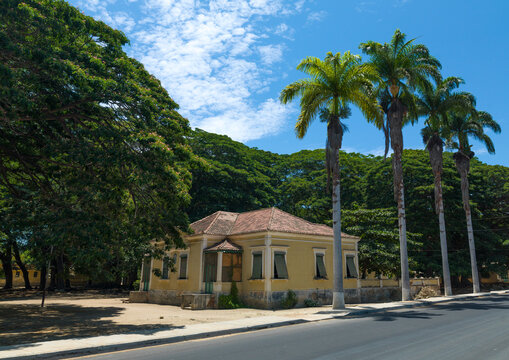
(271, 53)
(212, 57)
(480, 151)
(316, 16)
(365, 7)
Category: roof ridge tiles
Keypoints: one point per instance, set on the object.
(271, 218)
(233, 224)
(213, 221)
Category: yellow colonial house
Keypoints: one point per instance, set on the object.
(266, 252)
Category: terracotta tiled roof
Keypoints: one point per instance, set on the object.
(224, 245)
(272, 219)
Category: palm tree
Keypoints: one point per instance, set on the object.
(464, 125)
(436, 104)
(333, 84)
(403, 67)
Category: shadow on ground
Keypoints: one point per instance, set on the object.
(21, 324)
(487, 303)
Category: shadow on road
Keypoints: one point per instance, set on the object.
(22, 324)
(394, 315)
(488, 303)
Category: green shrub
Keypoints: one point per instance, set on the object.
(157, 272)
(136, 285)
(226, 302)
(290, 300)
(310, 303)
(234, 293)
(231, 301)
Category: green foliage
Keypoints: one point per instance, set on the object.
(157, 272)
(311, 303)
(231, 301)
(226, 302)
(234, 293)
(297, 184)
(379, 245)
(232, 177)
(289, 301)
(95, 161)
(136, 285)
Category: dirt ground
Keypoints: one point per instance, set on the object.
(92, 313)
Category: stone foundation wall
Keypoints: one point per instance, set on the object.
(261, 300)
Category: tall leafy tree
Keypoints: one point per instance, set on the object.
(436, 104)
(333, 84)
(92, 148)
(464, 125)
(403, 67)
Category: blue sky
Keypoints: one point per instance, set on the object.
(225, 62)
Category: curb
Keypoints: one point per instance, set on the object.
(93, 350)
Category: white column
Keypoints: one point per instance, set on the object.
(201, 285)
(268, 266)
(357, 265)
(219, 273)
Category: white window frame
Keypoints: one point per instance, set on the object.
(279, 249)
(179, 257)
(150, 273)
(354, 255)
(257, 249)
(320, 251)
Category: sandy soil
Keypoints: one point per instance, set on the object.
(90, 314)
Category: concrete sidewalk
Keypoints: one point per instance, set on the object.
(98, 344)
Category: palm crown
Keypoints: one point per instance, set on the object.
(403, 67)
(402, 64)
(334, 83)
(471, 124)
(437, 105)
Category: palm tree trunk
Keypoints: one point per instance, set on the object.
(395, 116)
(463, 166)
(334, 139)
(435, 149)
(443, 239)
(338, 295)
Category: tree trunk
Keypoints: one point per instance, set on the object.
(435, 149)
(42, 280)
(463, 166)
(6, 259)
(60, 272)
(21, 265)
(53, 275)
(334, 139)
(395, 116)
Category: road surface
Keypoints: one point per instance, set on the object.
(472, 329)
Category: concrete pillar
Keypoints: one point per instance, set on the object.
(219, 273)
(201, 284)
(268, 268)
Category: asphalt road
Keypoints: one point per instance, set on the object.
(473, 329)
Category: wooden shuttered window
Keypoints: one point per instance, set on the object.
(232, 267)
(320, 267)
(257, 266)
(351, 269)
(183, 267)
(164, 274)
(280, 271)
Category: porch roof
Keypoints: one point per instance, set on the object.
(224, 246)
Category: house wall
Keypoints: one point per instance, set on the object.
(266, 292)
(17, 278)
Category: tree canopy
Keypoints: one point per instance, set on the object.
(94, 159)
(297, 183)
